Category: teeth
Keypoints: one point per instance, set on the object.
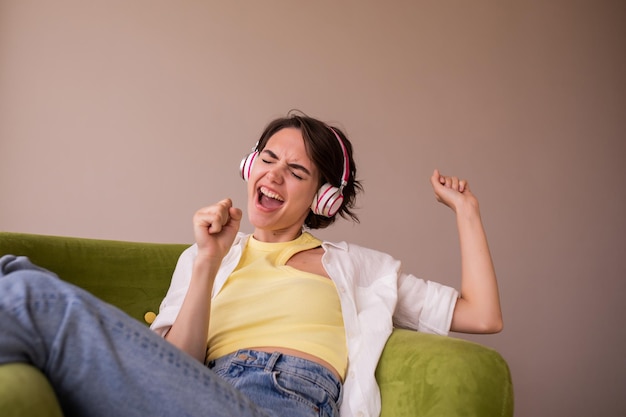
(270, 194)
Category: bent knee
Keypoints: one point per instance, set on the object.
(12, 264)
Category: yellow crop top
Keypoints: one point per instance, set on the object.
(264, 302)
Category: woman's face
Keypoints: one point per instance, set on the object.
(282, 184)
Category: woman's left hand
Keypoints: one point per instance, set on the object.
(452, 191)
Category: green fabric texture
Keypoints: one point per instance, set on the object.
(24, 391)
(432, 376)
(420, 375)
(130, 275)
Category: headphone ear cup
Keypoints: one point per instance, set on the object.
(327, 201)
(246, 165)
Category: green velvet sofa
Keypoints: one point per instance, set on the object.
(418, 374)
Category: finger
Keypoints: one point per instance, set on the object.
(463, 185)
(209, 219)
(454, 183)
(228, 216)
(214, 217)
(222, 205)
(235, 214)
(225, 204)
(217, 223)
(435, 179)
(221, 217)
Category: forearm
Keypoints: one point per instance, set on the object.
(191, 327)
(478, 308)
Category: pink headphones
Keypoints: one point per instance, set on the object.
(328, 199)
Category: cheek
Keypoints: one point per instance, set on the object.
(311, 192)
(251, 189)
(256, 173)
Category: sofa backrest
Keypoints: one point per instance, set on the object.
(133, 276)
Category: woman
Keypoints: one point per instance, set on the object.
(301, 167)
(295, 324)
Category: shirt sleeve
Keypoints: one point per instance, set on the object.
(425, 306)
(170, 306)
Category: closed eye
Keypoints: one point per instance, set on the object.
(272, 158)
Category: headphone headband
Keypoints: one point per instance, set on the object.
(346, 162)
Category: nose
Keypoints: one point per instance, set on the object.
(275, 174)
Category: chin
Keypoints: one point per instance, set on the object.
(259, 219)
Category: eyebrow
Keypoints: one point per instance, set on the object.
(291, 165)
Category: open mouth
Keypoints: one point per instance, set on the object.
(269, 199)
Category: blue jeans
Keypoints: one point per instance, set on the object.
(100, 361)
(295, 386)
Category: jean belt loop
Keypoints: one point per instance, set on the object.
(271, 362)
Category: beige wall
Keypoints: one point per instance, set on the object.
(119, 118)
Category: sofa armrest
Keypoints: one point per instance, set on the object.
(428, 375)
(25, 391)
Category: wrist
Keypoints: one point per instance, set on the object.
(467, 209)
(206, 266)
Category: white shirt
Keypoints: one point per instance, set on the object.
(375, 295)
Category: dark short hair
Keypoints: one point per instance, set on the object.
(325, 151)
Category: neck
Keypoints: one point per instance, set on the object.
(275, 236)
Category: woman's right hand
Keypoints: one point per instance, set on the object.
(215, 228)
